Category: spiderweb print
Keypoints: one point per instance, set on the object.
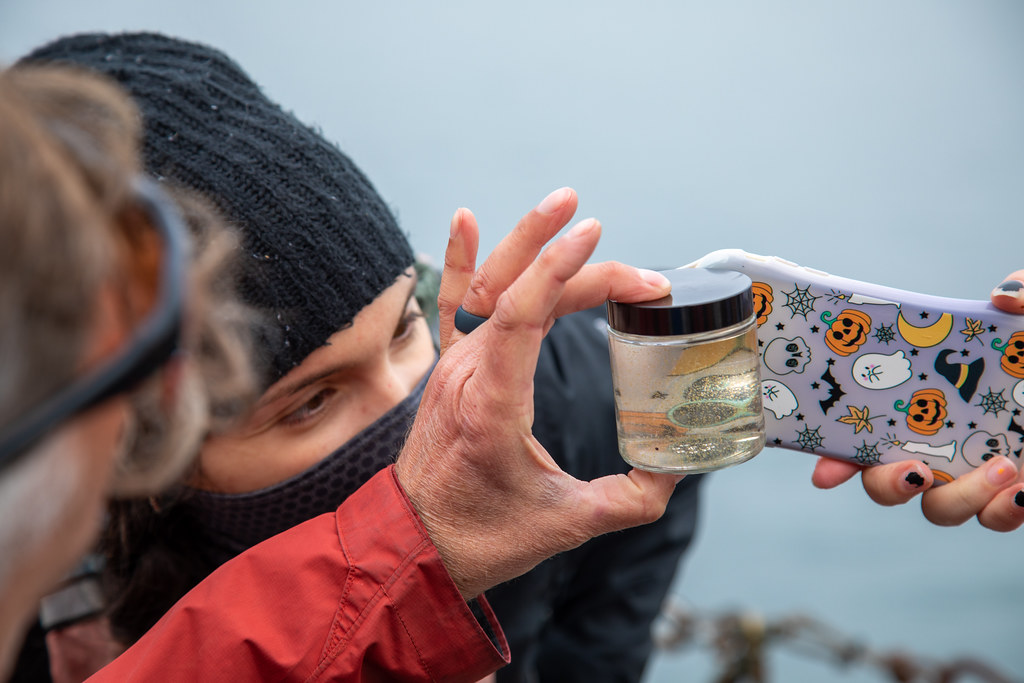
(993, 403)
(868, 454)
(800, 301)
(809, 438)
(884, 334)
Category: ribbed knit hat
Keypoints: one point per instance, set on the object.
(320, 242)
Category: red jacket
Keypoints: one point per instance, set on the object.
(360, 595)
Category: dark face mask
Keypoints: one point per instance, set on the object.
(232, 523)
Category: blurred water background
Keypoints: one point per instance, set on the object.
(881, 140)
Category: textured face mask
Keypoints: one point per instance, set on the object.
(232, 523)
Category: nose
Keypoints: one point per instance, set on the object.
(385, 390)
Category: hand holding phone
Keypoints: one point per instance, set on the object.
(874, 374)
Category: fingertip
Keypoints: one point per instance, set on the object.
(1006, 512)
(818, 478)
(897, 483)
(655, 279)
(638, 476)
(584, 228)
(456, 225)
(1000, 471)
(1009, 295)
(916, 478)
(829, 473)
(555, 201)
(460, 220)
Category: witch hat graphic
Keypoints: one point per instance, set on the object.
(963, 376)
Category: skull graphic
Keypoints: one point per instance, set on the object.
(783, 356)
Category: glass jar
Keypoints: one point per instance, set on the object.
(686, 372)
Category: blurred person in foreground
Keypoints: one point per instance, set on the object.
(101, 393)
(347, 357)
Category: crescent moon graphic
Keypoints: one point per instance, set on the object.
(923, 337)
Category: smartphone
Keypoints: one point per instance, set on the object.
(872, 374)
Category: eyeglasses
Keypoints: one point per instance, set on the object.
(146, 350)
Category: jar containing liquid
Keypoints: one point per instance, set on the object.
(686, 372)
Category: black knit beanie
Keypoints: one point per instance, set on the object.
(320, 242)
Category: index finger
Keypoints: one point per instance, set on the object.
(964, 497)
(524, 311)
(517, 250)
(829, 472)
(1005, 512)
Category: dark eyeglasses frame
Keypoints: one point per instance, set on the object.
(146, 350)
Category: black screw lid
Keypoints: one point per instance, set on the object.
(702, 300)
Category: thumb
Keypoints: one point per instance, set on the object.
(621, 501)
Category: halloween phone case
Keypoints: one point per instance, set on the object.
(873, 374)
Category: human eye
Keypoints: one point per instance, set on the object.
(310, 409)
(406, 326)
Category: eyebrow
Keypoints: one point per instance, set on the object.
(300, 384)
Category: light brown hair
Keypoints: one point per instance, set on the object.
(56, 204)
(69, 154)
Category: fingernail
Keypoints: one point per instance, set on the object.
(1014, 288)
(1010, 294)
(456, 227)
(554, 201)
(1019, 499)
(653, 277)
(1000, 471)
(914, 479)
(582, 228)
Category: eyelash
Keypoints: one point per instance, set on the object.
(304, 412)
(406, 323)
(320, 399)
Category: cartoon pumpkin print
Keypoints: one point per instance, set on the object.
(763, 297)
(848, 331)
(926, 411)
(1013, 354)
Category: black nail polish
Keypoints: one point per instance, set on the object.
(916, 480)
(1011, 286)
(1019, 499)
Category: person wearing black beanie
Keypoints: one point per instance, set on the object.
(346, 356)
(320, 242)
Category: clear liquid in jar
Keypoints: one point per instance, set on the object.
(689, 407)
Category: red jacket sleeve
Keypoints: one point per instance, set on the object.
(360, 595)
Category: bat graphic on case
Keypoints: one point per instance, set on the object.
(873, 374)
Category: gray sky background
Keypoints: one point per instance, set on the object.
(880, 140)
(877, 140)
